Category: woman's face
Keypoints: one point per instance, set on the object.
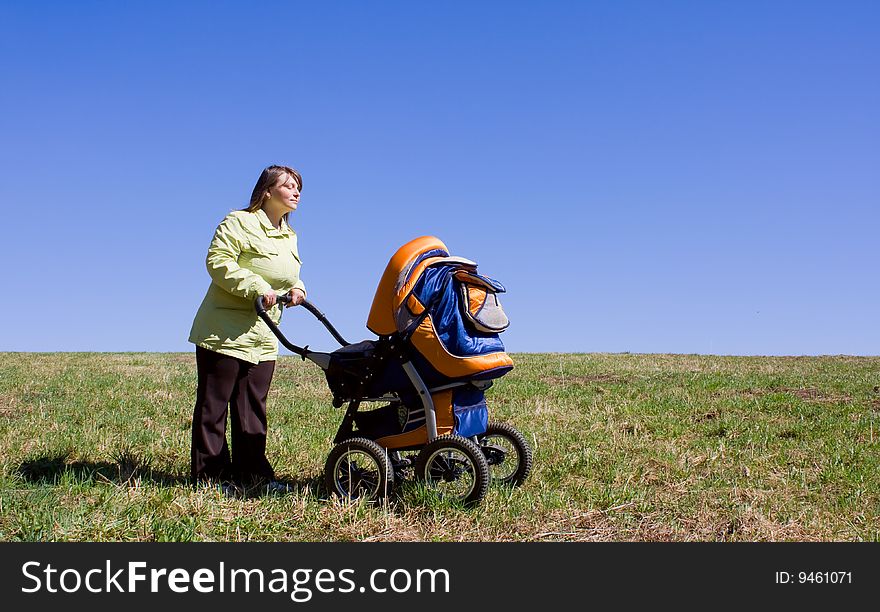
(285, 193)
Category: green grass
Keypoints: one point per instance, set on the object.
(627, 447)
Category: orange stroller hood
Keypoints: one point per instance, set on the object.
(395, 308)
(398, 279)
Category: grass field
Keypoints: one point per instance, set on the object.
(627, 447)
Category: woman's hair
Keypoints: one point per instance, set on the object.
(268, 178)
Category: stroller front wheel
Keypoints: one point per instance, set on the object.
(359, 469)
(456, 467)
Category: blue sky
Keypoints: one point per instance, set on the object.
(676, 177)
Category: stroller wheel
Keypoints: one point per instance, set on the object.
(359, 469)
(456, 467)
(507, 452)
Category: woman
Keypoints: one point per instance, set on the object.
(253, 253)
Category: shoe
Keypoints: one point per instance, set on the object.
(277, 487)
(231, 490)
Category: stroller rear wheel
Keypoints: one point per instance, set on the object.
(359, 469)
(456, 467)
(507, 452)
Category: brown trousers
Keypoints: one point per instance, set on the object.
(225, 381)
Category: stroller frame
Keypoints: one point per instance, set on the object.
(396, 349)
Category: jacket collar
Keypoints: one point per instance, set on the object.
(270, 229)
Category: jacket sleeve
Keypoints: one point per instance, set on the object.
(301, 286)
(222, 262)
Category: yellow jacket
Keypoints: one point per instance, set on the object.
(247, 257)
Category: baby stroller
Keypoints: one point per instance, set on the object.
(437, 353)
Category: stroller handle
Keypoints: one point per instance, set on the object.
(286, 299)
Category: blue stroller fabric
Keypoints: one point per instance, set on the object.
(435, 289)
